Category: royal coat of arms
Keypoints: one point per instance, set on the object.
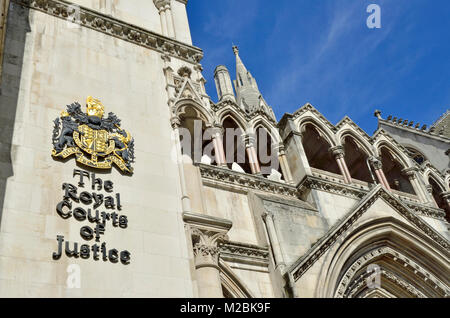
(95, 141)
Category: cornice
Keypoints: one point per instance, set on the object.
(206, 220)
(119, 29)
(403, 125)
(245, 181)
(317, 183)
(244, 253)
(358, 192)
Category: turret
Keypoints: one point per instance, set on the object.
(223, 83)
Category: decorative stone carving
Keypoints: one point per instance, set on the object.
(185, 72)
(117, 28)
(375, 163)
(244, 253)
(318, 249)
(337, 152)
(233, 178)
(346, 290)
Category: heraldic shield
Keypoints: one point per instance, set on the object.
(95, 141)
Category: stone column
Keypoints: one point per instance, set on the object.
(284, 163)
(165, 14)
(411, 173)
(430, 194)
(169, 19)
(446, 197)
(251, 153)
(207, 233)
(274, 242)
(378, 168)
(218, 147)
(185, 200)
(338, 154)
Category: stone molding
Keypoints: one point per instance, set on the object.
(401, 283)
(358, 192)
(319, 183)
(337, 151)
(428, 211)
(244, 253)
(245, 181)
(248, 116)
(116, 28)
(345, 289)
(409, 126)
(318, 249)
(214, 176)
(206, 233)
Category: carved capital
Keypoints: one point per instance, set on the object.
(161, 4)
(337, 152)
(175, 122)
(206, 233)
(410, 173)
(446, 196)
(375, 163)
(205, 243)
(280, 148)
(217, 130)
(249, 140)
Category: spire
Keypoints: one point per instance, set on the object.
(248, 96)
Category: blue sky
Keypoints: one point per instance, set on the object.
(322, 52)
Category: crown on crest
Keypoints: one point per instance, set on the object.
(94, 107)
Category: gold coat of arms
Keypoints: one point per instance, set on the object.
(95, 141)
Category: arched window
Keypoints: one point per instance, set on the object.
(317, 150)
(393, 172)
(234, 145)
(267, 156)
(195, 141)
(416, 155)
(436, 192)
(356, 159)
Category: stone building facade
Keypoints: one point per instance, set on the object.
(324, 211)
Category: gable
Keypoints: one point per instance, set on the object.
(377, 204)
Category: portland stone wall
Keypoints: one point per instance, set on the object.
(49, 64)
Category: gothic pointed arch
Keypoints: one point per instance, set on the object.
(382, 140)
(394, 165)
(317, 148)
(356, 157)
(437, 191)
(234, 145)
(431, 173)
(362, 143)
(321, 129)
(264, 123)
(202, 113)
(232, 285)
(390, 256)
(230, 113)
(266, 151)
(381, 230)
(195, 140)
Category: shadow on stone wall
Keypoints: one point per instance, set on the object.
(16, 29)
